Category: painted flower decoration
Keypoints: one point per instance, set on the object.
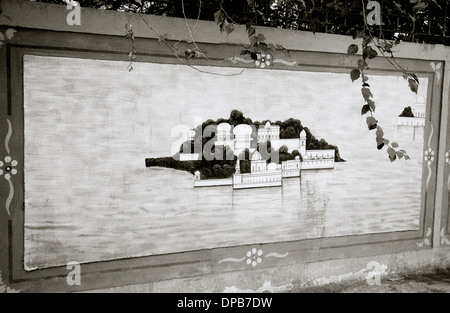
(429, 156)
(254, 257)
(263, 60)
(447, 157)
(8, 167)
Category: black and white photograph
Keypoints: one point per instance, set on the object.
(224, 147)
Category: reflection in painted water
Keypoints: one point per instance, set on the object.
(150, 219)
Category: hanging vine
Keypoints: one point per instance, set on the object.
(258, 47)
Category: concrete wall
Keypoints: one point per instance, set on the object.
(312, 262)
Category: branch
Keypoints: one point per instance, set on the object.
(180, 59)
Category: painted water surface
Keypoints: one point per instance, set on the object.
(89, 125)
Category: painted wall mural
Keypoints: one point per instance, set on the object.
(164, 159)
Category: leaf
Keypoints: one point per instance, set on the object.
(263, 47)
(428, 234)
(287, 53)
(391, 152)
(419, 6)
(394, 145)
(251, 31)
(229, 28)
(190, 54)
(352, 49)
(362, 64)
(426, 241)
(359, 34)
(253, 40)
(370, 53)
(365, 108)
(406, 157)
(224, 25)
(260, 37)
(386, 141)
(371, 122)
(379, 133)
(365, 85)
(365, 54)
(138, 2)
(414, 76)
(447, 241)
(219, 17)
(371, 104)
(254, 56)
(367, 40)
(413, 85)
(380, 143)
(399, 154)
(386, 46)
(355, 74)
(366, 93)
(314, 25)
(365, 78)
(271, 46)
(244, 52)
(443, 232)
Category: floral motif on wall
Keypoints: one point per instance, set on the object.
(8, 168)
(8, 34)
(444, 239)
(426, 241)
(429, 155)
(254, 257)
(262, 60)
(436, 67)
(4, 288)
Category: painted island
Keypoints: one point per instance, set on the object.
(241, 153)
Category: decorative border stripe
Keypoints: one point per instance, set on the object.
(8, 136)
(232, 260)
(10, 196)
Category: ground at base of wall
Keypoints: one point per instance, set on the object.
(437, 281)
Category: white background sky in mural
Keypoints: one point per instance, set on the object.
(90, 124)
